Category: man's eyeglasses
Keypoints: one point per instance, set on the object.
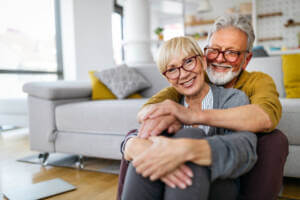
(188, 64)
(229, 55)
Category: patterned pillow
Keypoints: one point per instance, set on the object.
(123, 81)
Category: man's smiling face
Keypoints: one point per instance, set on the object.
(220, 70)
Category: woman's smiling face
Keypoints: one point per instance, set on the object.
(188, 83)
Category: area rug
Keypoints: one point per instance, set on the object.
(70, 161)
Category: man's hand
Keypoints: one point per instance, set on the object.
(168, 107)
(180, 177)
(154, 127)
(161, 158)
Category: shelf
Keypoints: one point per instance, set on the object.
(269, 39)
(273, 14)
(278, 53)
(292, 24)
(200, 22)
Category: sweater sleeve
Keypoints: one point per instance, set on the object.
(233, 153)
(129, 135)
(265, 95)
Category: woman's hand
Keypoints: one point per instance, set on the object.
(161, 158)
(155, 126)
(168, 107)
(180, 177)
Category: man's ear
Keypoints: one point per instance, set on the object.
(248, 58)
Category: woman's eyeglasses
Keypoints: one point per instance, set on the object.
(188, 64)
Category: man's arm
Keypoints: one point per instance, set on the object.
(262, 92)
(243, 118)
(224, 118)
(262, 115)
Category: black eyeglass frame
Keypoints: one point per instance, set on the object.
(182, 66)
(224, 54)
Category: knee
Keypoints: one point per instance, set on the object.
(201, 173)
(275, 141)
(195, 133)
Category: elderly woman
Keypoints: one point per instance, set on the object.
(216, 156)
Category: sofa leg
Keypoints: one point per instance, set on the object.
(79, 164)
(44, 158)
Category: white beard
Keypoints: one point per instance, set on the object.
(221, 78)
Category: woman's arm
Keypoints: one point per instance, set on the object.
(229, 155)
(181, 177)
(135, 146)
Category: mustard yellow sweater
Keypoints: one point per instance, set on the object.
(258, 86)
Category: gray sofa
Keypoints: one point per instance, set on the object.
(62, 118)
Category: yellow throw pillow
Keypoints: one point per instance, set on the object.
(134, 96)
(100, 91)
(291, 75)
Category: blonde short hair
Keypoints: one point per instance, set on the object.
(176, 46)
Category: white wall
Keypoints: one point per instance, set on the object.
(86, 37)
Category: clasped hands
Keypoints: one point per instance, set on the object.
(165, 158)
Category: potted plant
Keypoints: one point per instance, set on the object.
(159, 32)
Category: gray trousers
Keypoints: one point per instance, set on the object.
(136, 187)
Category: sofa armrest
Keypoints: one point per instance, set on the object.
(56, 90)
(289, 123)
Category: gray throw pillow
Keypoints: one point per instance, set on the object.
(123, 81)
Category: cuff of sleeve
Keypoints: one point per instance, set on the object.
(272, 116)
(216, 165)
(125, 141)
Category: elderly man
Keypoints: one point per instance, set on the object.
(228, 53)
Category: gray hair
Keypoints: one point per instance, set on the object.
(240, 22)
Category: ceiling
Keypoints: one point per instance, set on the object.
(169, 7)
(170, 11)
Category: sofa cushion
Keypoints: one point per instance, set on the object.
(289, 123)
(271, 66)
(123, 81)
(158, 81)
(54, 90)
(105, 116)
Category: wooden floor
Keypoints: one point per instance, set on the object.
(90, 185)
(13, 174)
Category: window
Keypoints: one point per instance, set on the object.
(117, 37)
(117, 33)
(30, 47)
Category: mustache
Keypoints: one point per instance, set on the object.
(221, 65)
